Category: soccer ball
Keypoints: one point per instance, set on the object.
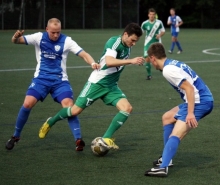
(98, 147)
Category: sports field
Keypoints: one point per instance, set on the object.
(53, 160)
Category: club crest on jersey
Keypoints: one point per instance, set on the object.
(148, 27)
(57, 47)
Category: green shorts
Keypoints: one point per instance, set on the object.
(92, 92)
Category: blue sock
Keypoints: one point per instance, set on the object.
(169, 150)
(172, 46)
(178, 45)
(21, 120)
(75, 127)
(167, 130)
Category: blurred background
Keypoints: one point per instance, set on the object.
(101, 14)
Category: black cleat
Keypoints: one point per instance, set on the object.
(158, 162)
(11, 143)
(157, 172)
(149, 77)
(79, 144)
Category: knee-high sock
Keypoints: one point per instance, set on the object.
(116, 123)
(172, 46)
(62, 114)
(148, 68)
(178, 45)
(167, 130)
(21, 120)
(74, 125)
(169, 150)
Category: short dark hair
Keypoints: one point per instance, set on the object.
(157, 49)
(151, 10)
(133, 28)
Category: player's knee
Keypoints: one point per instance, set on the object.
(167, 118)
(28, 105)
(127, 108)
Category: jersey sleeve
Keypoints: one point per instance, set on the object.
(169, 19)
(33, 39)
(178, 19)
(72, 46)
(112, 46)
(162, 27)
(173, 74)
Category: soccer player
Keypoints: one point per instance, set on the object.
(178, 121)
(102, 84)
(154, 30)
(175, 22)
(50, 77)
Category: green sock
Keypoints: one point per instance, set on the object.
(62, 114)
(148, 68)
(116, 123)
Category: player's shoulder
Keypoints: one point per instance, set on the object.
(171, 65)
(145, 22)
(114, 39)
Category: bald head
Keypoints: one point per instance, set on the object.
(53, 28)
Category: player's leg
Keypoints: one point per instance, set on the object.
(147, 63)
(118, 99)
(173, 42)
(89, 94)
(168, 122)
(34, 93)
(63, 94)
(180, 130)
(180, 50)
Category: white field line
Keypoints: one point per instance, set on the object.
(80, 67)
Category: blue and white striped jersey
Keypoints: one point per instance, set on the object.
(51, 55)
(176, 72)
(175, 20)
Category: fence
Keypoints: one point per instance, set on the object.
(74, 14)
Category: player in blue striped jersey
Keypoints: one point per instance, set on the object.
(175, 22)
(51, 48)
(177, 122)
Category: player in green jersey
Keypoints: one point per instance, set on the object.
(154, 30)
(102, 83)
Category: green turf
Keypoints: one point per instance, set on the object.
(53, 161)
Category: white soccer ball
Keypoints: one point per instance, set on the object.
(99, 147)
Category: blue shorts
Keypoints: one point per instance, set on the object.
(200, 110)
(174, 34)
(58, 89)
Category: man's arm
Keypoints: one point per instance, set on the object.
(18, 37)
(190, 96)
(113, 62)
(88, 59)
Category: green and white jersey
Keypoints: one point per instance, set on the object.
(109, 76)
(151, 29)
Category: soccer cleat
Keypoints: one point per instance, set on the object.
(158, 162)
(79, 144)
(157, 172)
(170, 51)
(110, 143)
(149, 77)
(178, 52)
(11, 143)
(44, 130)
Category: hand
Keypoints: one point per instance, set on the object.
(95, 65)
(191, 120)
(158, 36)
(138, 61)
(18, 34)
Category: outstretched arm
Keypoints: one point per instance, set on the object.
(18, 37)
(113, 62)
(88, 58)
